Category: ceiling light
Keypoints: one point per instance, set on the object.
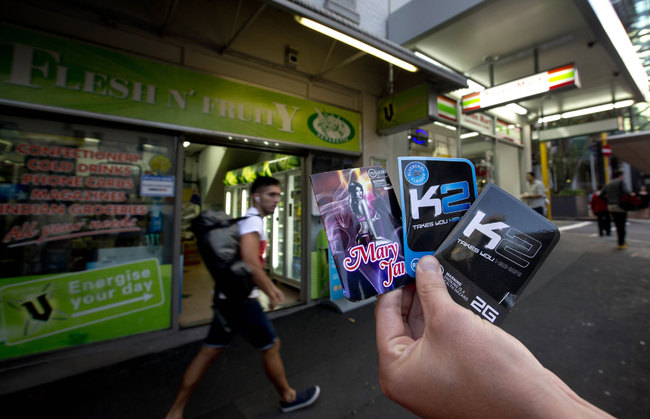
(518, 109)
(549, 118)
(430, 60)
(621, 41)
(623, 104)
(440, 124)
(355, 43)
(469, 134)
(587, 111)
(186, 144)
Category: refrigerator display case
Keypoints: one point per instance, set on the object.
(283, 227)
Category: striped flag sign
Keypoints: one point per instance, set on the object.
(524, 88)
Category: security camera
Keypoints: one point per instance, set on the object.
(290, 56)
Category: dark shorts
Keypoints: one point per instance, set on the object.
(246, 317)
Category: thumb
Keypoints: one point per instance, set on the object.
(430, 285)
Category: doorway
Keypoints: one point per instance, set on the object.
(219, 178)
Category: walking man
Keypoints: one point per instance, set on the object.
(613, 192)
(247, 316)
(535, 193)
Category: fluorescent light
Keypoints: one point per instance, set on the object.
(432, 61)
(623, 104)
(355, 43)
(518, 109)
(587, 111)
(440, 124)
(618, 36)
(549, 118)
(186, 144)
(228, 198)
(469, 134)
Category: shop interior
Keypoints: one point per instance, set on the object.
(219, 178)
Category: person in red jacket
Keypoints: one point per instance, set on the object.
(599, 208)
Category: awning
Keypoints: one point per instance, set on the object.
(443, 79)
(632, 148)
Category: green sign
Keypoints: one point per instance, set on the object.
(64, 310)
(407, 109)
(45, 70)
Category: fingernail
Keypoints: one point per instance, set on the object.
(428, 263)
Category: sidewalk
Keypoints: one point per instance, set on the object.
(584, 315)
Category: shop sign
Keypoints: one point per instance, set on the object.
(38, 69)
(407, 109)
(151, 185)
(479, 122)
(552, 80)
(508, 131)
(447, 109)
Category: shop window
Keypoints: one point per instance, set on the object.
(86, 223)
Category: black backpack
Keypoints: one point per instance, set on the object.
(217, 236)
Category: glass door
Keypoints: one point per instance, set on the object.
(276, 236)
(294, 227)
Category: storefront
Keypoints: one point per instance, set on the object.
(435, 126)
(106, 157)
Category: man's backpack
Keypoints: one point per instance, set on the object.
(217, 236)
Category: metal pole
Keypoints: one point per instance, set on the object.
(543, 157)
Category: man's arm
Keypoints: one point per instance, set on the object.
(249, 246)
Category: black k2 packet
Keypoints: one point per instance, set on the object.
(493, 253)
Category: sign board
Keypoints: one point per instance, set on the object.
(479, 122)
(607, 150)
(508, 131)
(42, 70)
(558, 78)
(407, 109)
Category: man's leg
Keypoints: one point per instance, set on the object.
(619, 221)
(191, 378)
(274, 369)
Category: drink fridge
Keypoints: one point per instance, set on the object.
(283, 227)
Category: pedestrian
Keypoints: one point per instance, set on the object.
(599, 208)
(439, 359)
(613, 192)
(535, 194)
(247, 316)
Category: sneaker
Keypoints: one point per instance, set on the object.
(304, 398)
(622, 246)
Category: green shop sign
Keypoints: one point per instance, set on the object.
(58, 311)
(407, 109)
(49, 71)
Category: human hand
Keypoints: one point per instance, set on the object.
(437, 358)
(276, 297)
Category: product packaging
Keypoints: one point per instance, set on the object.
(362, 220)
(435, 192)
(493, 253)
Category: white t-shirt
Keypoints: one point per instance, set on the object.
(250, 225)
(254, 224)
